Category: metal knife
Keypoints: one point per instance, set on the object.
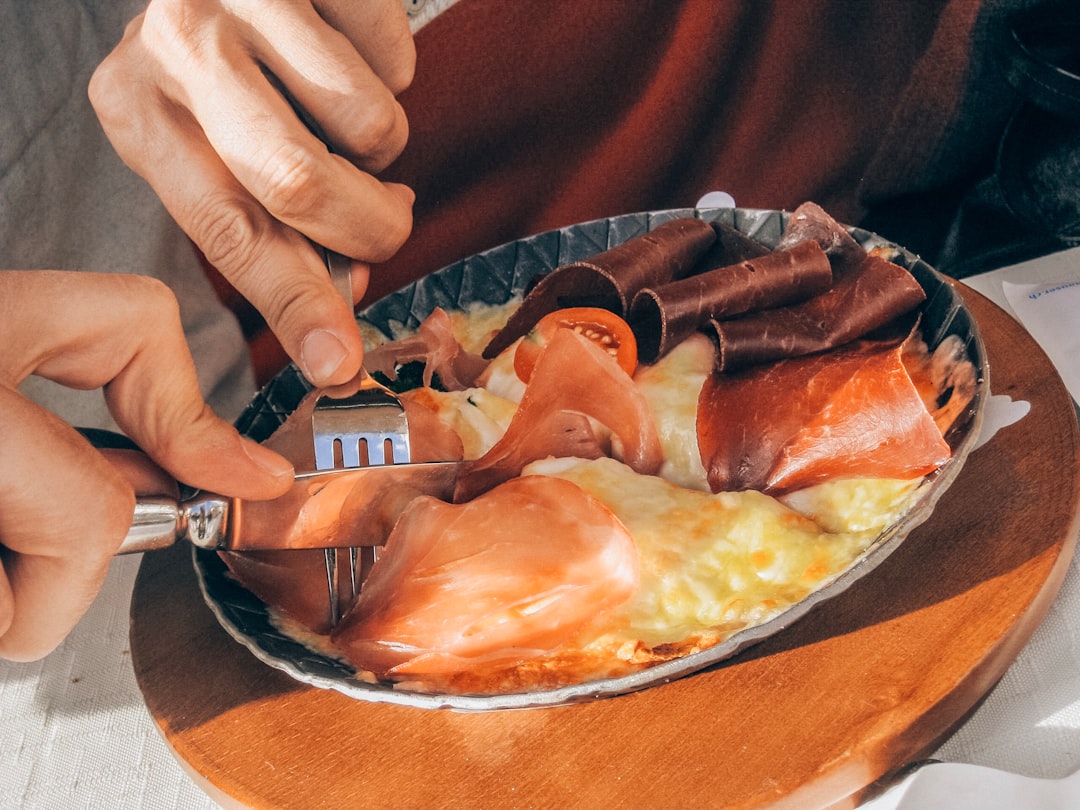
(339, 508)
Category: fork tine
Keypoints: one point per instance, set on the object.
(331, 560)
(357, 567)
(375, 450)
(350, 452)
(324, 452)
(383, 438)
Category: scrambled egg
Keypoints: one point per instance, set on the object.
(714, 564)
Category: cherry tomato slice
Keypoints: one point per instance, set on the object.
(606, 329)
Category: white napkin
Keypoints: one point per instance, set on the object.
(974, 787)
(1050, 311)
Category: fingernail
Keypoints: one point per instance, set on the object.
(321, 354)
(267, 459)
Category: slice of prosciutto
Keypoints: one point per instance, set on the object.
(509, 576)
(573, 379)
(852, 412)
(810, 222)
(435, 346)
(294, 581)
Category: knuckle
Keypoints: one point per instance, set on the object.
(174, 29)
(376, 129)
(156, 294)
(111, 91)
(295, 305)
(151, 303)
(183, 427)
(227, 232)
(388, 239)
(107, 94)
(287, 184)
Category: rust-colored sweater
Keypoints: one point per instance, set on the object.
(528, 116)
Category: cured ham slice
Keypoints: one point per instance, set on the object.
(543, 432)
(435, 346)
(572, 379)
(294, 581)
(664, 316)
(850, 413)
(611, 278)
(430, 438)
(507, 577)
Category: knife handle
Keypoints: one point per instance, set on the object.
(156, 523)
(159, 521)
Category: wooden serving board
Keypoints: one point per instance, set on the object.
(812, 717)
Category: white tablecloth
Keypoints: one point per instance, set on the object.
(74, 731)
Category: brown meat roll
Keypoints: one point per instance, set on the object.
(663, 317)
(873, 294)
(610, 279)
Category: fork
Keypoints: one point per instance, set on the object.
(371, 419)
(334, 420)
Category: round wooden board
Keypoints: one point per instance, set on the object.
(812, 717)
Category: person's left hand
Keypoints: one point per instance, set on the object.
(190, 99)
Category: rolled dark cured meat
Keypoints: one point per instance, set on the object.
(663, 317)
(861, 300)
(610, 279)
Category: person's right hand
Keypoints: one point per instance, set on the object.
(189, 100)
(65, 507)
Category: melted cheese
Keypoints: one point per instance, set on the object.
(671, 387)
(854, 504)
(710, 564)
(478, 416)
(474, 326)
(500, 378)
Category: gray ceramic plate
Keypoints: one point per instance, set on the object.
(493, 277)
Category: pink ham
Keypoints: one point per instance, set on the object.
(435, 346)
(507, 577)
(294, 582)
(572, 378)
(846, 413)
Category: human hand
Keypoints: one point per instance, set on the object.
(187, 102)
(64, 506)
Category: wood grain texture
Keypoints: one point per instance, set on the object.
(812, 717)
